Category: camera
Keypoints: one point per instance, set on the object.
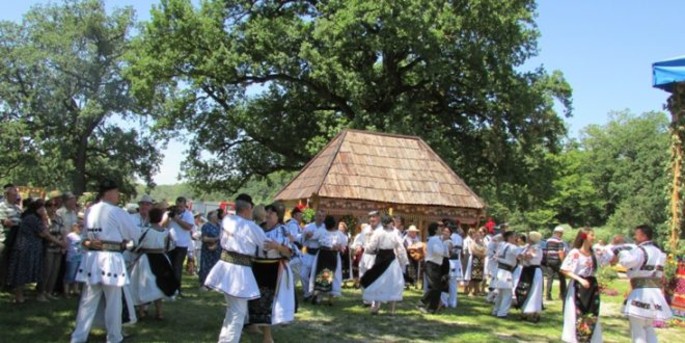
(173, 211)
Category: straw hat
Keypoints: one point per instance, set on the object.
(412, 228)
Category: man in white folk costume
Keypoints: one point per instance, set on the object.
(109, 231)
(504, 282)
(295, 233)
(241, 238)
(646, 302)
(312, 245)
(456, 274)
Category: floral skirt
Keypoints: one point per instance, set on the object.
(266, 274)
(581, 313)
(324, 272)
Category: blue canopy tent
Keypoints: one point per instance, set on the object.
(669, 75)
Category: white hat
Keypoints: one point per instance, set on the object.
(559, 228)
(146, 198)
(412, 228)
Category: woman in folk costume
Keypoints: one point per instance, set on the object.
(476, 264)
(274, 277)
(326, 277)
(529, 287)
(152, 276)
(466, 262)
(522, 243)
(581, 304)
(384, 282)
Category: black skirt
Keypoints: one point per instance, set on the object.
(524, 285)
(326, 264)
(164, 273)
(587, 303)
(266, 275)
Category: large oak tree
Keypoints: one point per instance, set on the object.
(260, 86)
(66, 113)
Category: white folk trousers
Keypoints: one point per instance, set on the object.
(502, 302)
(88, 305)
(642, 330)
(236, 310)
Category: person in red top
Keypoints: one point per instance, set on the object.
(490, 225)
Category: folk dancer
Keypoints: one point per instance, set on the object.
(504, 282)
(581, 305)
(357, 247)
(554, 253)
(415, 250)
(295, 234)
(326, 277)
(384, 282)
(109, 231)
(241, 238)
(437, 269)
(312, 247)
(456, 274)
(271, 269)
(152, 275)
(368, 257)
(529, 287)
(491, 265)
(645, 303)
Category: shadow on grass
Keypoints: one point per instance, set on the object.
(197, 317)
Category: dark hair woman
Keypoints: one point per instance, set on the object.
(582, 295)
(26, 261)
(326, 278)
(384, 282)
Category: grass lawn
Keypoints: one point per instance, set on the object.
(198, 316)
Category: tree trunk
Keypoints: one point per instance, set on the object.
(79, 177)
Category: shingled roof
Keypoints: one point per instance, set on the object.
(372, 166)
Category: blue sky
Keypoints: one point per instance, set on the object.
(604, 48)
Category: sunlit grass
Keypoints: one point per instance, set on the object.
(197, 318)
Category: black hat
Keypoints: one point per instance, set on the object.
(245, 197)
(107, 185)
(295, 211)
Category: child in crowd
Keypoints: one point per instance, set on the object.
(73, 258)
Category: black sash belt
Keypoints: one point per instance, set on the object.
(506, 267)
(109, 246)
(236, 258)
(638, 283)
(312, 251)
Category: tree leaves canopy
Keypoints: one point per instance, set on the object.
(260, 86)
(63, 99)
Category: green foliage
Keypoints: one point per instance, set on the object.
(61, 96)
(626, 160)
(308, 215)
(262, 86)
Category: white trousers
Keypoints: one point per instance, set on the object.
(88, 306)
(305, 270)
(642, 330)
(236, 310)
(452, 301)
(502, 302)
(295, 267)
